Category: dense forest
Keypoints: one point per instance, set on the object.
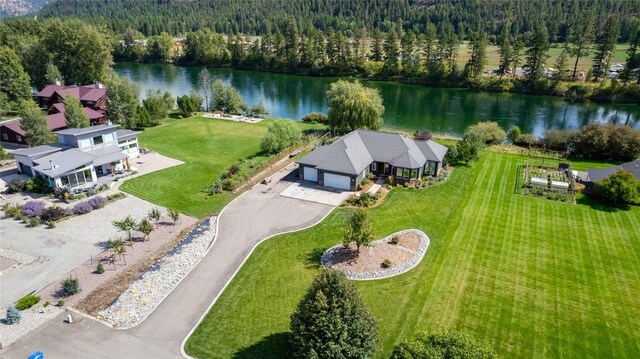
(350, 17)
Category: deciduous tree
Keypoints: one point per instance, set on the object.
(74, 113)
(443, 344)
(14, 81)
(353, 106)
(34, 124)
(123, 96)
(620, 188)
(358, 230)
(280, 135)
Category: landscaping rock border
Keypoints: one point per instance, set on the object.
(142, 297)
(326, 260)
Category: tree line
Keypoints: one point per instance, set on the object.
(257, 17)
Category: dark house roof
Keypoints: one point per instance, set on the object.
(92, 92)
(355, 151)
(54, 122)
(598, 174)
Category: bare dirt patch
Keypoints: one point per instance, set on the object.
(369, 259)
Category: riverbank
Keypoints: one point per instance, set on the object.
(408, 107)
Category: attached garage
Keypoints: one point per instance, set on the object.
(310, 174)
(337, 181)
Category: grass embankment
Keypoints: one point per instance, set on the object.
(533, 277)
(208, 147)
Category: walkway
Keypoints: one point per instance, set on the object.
(376, 186)
(257, 214)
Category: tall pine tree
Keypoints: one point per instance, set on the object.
(605, 45)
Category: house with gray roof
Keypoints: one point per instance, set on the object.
(80, 156)
(345, 163)
(598, 174)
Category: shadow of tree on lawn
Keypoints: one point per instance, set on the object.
(276, 345)
(313, 257)
(600, 204)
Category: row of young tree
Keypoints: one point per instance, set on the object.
(257, 17)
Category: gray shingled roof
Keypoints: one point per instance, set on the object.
(82, 131)
(107, 154)
(598, 174)
(355, 151)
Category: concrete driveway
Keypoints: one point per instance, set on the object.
(257, 214)
(309, 191)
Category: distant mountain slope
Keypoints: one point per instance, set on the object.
(10, 8)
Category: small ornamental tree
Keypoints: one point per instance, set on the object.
(145, 227)
(174, 215)
(514, 134)
(332, 321)
(127, 224)
(154, 215)
(359, 229)
(621, 187)
(443, 344)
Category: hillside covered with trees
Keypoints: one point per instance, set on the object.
(350, 17)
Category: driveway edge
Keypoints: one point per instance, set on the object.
(215, 299)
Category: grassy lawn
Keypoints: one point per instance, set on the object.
(533, 277)
(208, 147)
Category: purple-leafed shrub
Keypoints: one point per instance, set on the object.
(33, 209)
(82, 208)
(97, 202)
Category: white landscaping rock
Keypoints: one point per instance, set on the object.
(31, 319)
(147, 292)
(386, 272)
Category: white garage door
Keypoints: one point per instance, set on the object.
(337, 181)
(310, 174)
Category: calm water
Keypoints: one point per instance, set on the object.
(408, 107)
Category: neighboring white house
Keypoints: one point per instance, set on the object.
(80, 156)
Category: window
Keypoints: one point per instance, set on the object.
(373, 166)
(405, 173)
(133, 145)
(5, 136)
(414, 173)
(98, 140)
(18, 138)
(399, 172)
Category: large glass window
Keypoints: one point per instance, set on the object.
(414, 173)
(405, 173)
(399, 172)
(98, 140)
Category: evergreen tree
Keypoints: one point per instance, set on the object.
(536, 54)
(377, 51)
(13, 80)
(429, 45)
(632, 65)
(561, 65)
(34, 124)
(292, 43)
(478, 54)
(605, 45)
(391, 54)
(332, 321)
(74, 113)
(580, 38)
(516, 54)
(409, 63)
(505, 50)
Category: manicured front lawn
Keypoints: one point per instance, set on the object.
(208, 146)
(534, 277)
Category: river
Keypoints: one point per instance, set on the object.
(407, 107)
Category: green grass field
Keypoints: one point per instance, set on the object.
(533, 277)
(208, 147)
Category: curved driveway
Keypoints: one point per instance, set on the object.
(255, 215)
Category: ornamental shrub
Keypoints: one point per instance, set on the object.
(12, 210)
(387, 263)
(490, 132)
(13, 316)
(443, 344)
(97, 202)
(82, 208)
(60, 303)
(52, 214)
(422, 135)
(315, 117)
(33, 209)
(100, 268)
(16, 185)
(27, 302)
(34, 222)
(395, 240)
(70, 286)
(37, 184)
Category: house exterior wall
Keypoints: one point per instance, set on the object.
(8, 135)
(131, 147)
